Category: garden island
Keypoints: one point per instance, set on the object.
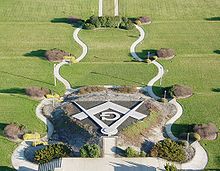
(113, 85)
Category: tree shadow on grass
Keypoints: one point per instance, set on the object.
(21, 76)
(144, 53)
(213, 19)
(6, 168)
(217, 90)
(177, 129)
(217, 51)
(2, 127)
(37, 53)
(13, 91)
(75, 22)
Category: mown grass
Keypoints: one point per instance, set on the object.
(130, 73)
(108, 8)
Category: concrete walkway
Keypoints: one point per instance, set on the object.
(58, 66)
(200, 159)
(18, 159)
(100, 8)
(116, 8)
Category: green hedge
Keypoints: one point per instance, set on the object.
(130, 152)
(90, 151)
(50, 152)
(108, 21)
(169, 150)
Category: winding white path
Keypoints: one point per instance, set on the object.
(100, 8)
(18, 159)
(116, 8)
(58, 66)
(200, 159)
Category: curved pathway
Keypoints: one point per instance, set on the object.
(58, 66)
(200, 159)
(18, 159)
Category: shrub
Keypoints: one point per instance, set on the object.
(92, 151)
(130, 152)
(108, 21)
(148, 61)
(165, 53)
(89, 26)
(102, 20)
(170, 167)
(142, 154)
(206, 131)
(180, 91)
(51, 152)
(56, 55)
(164, 100)
(91, 89)
(129, 25)
(125, 89)
(138, 22)
(38, 92)
(169, 150)
(145, 20)
(13, 131)
(69, 109)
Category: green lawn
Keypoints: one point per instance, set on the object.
(26, 31)
(108, 74)
(108, 8)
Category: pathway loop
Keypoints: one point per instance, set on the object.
(200, 159)
(58, 66)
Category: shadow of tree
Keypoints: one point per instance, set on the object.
(13, 91)
(21, 76)
(217, 51)
(144, 53)
(75, 22)
(217, 90)
(213, 19)
(6, 168)
(177, 129)
(2, 127)
(37, 53)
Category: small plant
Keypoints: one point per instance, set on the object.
(148, 61)
(165, 53)
(170, 167)
(91, 151)
(37, 92)
(50, 152)
(164, 100)
(169, 150)
(142, 154)
(130, 152)
(89, 26)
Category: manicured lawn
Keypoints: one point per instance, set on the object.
(108, 45)
(108, 7)
(127, 73)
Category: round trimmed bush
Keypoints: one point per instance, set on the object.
(37, 92)
(144, 20)
(165, 53)
(206, 131)
(13, 131)
(56, 55)
(89, 26)
(180, 91)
